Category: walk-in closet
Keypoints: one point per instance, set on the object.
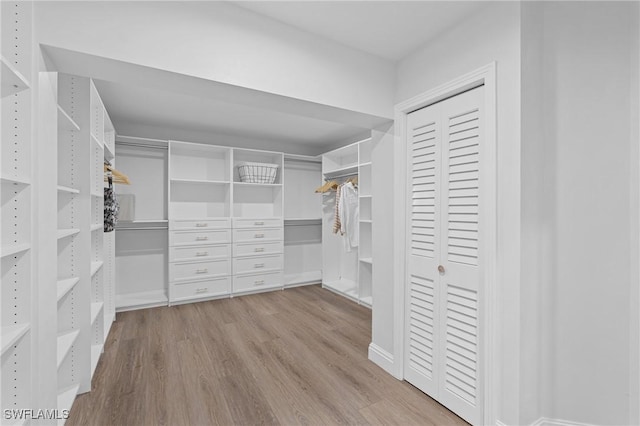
(325, 212)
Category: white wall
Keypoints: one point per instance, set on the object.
(491, 35)
(587, 98)
(225, 43)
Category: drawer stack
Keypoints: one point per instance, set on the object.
(257, 254)
(199, 259)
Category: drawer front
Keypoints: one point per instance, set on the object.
(177, 254)
(200, 224)
(199, 270)
(190, 238)
(255, 265)
(257, 249)
(257, 282)
(257, 235)
(206, 288)
(257, 223)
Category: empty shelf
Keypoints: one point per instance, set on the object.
(368, 301)
(13, 249)
(12, 80)
(95, 310)
(67, 396)
(11, 334)
(108, 153)
(96, 351)
(65, 342)
(349, 170)
(65, 286)
(15, 181)
(95, 266)
(366, 260)
(97, 226)
(266, 185)
(68, 189)
(64, 233)
(200, 181)
(65, 122)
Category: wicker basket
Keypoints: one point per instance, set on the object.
(257, 172)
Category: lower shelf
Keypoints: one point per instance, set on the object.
(141, 300)
(302, 278)
(66, 398)
(345, 287)
(96, 351)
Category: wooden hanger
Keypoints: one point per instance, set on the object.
(117, 177)
(328, 186)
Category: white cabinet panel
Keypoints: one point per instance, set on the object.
(257, 264)
(257, 282)
(177, 238)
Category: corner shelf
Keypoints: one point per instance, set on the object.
(13, 249)
(65, 286)
(11, 334)
(12, 80)
(65, 342)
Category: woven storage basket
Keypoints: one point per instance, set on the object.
(257, 172)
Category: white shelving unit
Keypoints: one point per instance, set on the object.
(302, 220)
(348, 273)
(18, 314)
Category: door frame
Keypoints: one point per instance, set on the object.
(486, 76)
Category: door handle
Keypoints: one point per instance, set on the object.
(441, 269)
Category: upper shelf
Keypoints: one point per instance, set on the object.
(351, 169)
(12, 81)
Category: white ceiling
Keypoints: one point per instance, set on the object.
(388, 29)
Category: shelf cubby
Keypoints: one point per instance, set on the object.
(199, 162)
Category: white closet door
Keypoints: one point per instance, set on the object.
(424, 252)
(451, 374)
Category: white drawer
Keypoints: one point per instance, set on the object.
(198, 289)
(257, 249)
(199, 253)
(256, 223)
(208, 237)
(257, 235)
(257, 282)
(200, 224)
(255, 265)
(184, 271)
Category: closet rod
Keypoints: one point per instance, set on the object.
(141, 145)
(141, 228)
(303, 160)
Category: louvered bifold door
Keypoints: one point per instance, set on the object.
(459, 332)
(423, 165)
(442, 299)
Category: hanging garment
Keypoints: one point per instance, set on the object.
(110, 209)
(349, 215)
(336, 221)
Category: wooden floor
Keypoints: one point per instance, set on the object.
(297, 356)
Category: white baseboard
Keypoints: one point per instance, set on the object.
(382, 358)
(545, 421)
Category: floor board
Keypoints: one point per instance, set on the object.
(297, 356)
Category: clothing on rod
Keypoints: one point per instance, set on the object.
(348, 212)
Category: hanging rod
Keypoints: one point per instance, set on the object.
(141, 228)
(141, 145)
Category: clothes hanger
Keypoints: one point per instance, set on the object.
(116, 176)
(328, 186)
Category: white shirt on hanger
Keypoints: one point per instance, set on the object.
(349, 215)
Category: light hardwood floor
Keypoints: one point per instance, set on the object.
(297, 356)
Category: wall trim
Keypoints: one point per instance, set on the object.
(382, 359)
(486, 76)
(546, 421)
